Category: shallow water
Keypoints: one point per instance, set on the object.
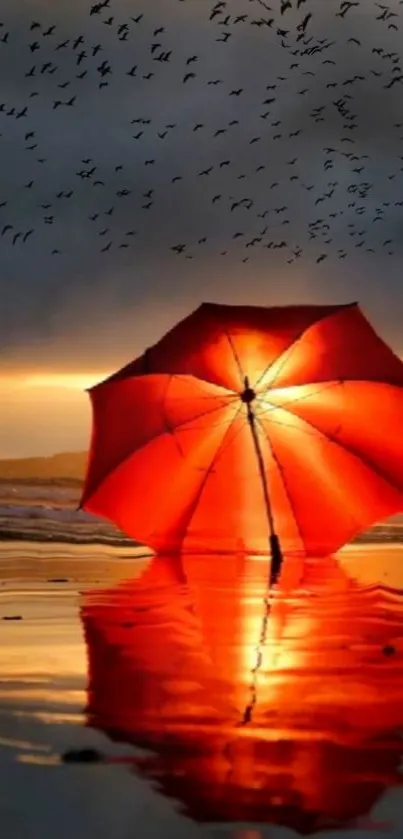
(46, 512)
(216, 712)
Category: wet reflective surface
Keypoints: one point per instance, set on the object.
(286, 712)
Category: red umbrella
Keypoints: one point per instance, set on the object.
(244, 422)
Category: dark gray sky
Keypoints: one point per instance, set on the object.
(88, 308)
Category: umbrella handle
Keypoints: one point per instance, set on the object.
(276, 558)
(248, 396)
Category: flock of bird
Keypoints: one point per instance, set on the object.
(257, 139)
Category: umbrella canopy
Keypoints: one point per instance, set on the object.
(171, 662)
(244, 422)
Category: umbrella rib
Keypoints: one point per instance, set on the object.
(325, 385)
(225, 403)
(269, 406)
(217, 454)
(287, 352)
(330, 438)
(283, 360)
(235, 354)
(281, 471)
(170, 429)
(225, 332)
(167, 430)
(287, 425)
(229, 392)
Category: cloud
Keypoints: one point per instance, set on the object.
(84, 305)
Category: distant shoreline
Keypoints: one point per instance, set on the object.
(62, 468)
(71, 482)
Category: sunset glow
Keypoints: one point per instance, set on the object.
(44, 413)
(74, 381)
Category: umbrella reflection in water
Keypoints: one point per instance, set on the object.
(175, 662)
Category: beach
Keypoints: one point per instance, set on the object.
(77, 670)
(43, 680)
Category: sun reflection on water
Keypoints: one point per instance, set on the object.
(174, 661)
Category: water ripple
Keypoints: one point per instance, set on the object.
(288, 711)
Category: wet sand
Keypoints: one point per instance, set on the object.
(55, 679)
